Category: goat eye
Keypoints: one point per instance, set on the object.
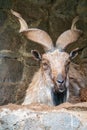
(45, 66)
(67, 63)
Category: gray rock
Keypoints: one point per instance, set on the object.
(40, 117)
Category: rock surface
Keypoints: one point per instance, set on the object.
(40, 117)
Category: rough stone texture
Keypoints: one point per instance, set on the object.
(41, 117)
(16, 63)
(11, 72)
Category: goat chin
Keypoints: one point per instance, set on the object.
(59, 88)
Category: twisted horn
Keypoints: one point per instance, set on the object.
(34, 34)
(69, 36)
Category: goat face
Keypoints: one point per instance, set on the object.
(55, 64)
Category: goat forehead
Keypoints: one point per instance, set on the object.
(56, 56)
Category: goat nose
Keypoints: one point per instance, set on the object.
(60, 79)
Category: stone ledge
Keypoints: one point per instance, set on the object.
(42, 117)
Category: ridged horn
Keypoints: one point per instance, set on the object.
(34, 34)
(69, 36)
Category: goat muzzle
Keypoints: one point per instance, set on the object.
(59, 87)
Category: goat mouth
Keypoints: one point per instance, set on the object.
(60, 88)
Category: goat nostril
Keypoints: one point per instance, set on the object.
(60, 81)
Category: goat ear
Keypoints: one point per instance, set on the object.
(36, 55)
(74, 53)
